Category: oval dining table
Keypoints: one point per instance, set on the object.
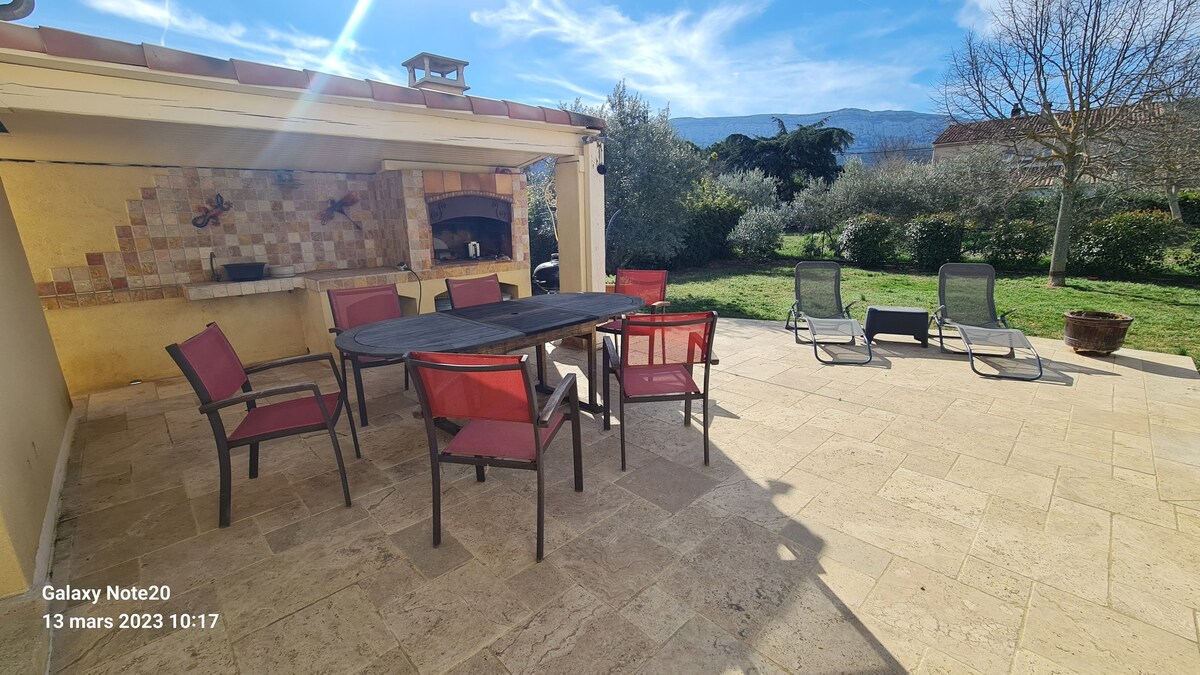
(496, 328)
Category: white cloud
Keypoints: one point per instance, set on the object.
(976, 15)
(280, 46)
(694, 62)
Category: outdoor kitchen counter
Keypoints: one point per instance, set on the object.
(321, 281)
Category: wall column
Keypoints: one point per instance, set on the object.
(580, 221)
(35, 412)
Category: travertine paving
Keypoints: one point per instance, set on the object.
(906, 515)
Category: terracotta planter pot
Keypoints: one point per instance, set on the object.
(1101, 332)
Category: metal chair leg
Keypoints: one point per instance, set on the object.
(480, 473)
(576, 444)
(226, 506)
(358, 391)
(337, 453)
(254, 460)
(687, 407)
(704, 403)
(607, 392)
(353, 427)
(437, 504)
(621, 421)
(541, 513)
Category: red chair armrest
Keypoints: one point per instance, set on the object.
(611, 350)
(661, 304)
(291, 361)
(249, 396)
(565, 390)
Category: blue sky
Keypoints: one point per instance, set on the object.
(701, 57)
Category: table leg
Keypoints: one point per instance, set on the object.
(542, 387)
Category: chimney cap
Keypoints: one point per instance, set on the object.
(439, 73)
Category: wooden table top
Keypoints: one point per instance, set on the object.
(461, 330)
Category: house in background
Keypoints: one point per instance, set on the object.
(111, 152)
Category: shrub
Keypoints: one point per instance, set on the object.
(712, 213)
(1187, 257)
(934, 239)
(869, 239)
(759, 232)
(753, 187)
(975, 186)
(1189, 207)
(1124, 243)
(1015, 242)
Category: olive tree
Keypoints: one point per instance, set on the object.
(1072, 76)
(650, 173)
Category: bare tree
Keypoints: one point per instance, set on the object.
(1163, 155)
(899, 149)
(1073, 76)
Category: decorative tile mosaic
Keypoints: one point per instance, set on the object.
(274, 221)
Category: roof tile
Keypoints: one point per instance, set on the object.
(25, 38)
(581, 120)
(557, 116)
(488, 106)
(1010, 128)
(392, 93)
(336, 85)
(79, 46)
(249, 72)
(188, 63)
(520, 111)
(440, 101)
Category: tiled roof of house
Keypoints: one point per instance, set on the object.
(1017, 127)
(56, 42)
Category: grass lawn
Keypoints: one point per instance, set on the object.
(1166, 317)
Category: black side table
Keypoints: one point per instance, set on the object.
(912, 321)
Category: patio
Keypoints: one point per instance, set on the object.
(906, 515)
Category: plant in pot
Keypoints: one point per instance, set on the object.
(1098, 332)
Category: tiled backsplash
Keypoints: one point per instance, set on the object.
(272, 220)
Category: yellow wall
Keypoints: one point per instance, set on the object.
(34, 411)
(65, 211)
(107, 346)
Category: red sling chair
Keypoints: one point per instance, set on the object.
(649, 285)
(353, 307)
(495, 394)
(221, 381)
(656, 363)
(471, 292)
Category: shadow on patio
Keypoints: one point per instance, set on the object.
(852, 520)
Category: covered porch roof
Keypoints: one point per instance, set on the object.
(68, 97)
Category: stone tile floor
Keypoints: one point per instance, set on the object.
(906, 515)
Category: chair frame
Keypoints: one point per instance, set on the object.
(357, 365)
(566, 393)
(796, 314)
(1000, 322)
(250, 397)
(614, 366)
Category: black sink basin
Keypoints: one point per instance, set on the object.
(245, 271)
